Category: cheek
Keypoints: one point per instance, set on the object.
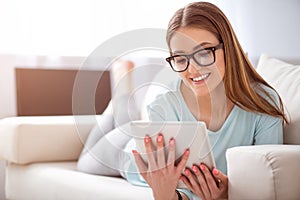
(182, 74)
(184, 78)
(221, 65)
(221, 71)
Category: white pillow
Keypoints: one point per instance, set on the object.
(285, 78)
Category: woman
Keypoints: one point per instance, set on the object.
(218, 86)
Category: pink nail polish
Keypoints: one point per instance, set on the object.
(159, 138)
(181, 178)
(187, 172)
(194, 168)
(202, 167)
(147, 139)
(134, 151)
(172, 142)
(187, 152)
(215, 171)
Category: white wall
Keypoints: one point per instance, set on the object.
(2, 179)
(266, 26)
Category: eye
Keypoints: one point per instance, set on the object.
(180, 60)
(204, 54)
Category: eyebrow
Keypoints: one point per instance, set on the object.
(194, 48)
(201, 45)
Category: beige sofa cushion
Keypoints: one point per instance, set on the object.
(25, 140)
(285, 78)
(49, 181)
(265, 172)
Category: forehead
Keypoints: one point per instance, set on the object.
(185, 39)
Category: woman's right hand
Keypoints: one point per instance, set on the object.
(206, 184)
(161, 174)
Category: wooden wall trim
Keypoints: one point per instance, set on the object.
(42, 92)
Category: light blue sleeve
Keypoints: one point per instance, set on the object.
(269, 130)
(154, 114)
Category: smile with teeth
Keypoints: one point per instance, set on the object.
(202, 77)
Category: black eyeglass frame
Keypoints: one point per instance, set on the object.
(189, 56)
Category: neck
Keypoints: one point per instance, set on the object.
(216, 101)
(212, 108)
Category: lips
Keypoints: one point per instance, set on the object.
(201, 77)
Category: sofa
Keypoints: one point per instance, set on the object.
(42, 153)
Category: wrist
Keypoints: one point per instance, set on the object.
(173, 196)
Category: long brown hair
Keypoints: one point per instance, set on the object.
(243, 85)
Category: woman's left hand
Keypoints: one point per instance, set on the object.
(206, 184)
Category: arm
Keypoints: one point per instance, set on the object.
(269, 130)
(155, 114)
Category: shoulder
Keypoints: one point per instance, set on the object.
(270, 91)
(166, 106)
(166, 99)
(171, 96)
(269, 94)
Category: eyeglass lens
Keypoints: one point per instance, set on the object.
(203, 57)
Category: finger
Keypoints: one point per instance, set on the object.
(186, 182)
(210, 180)
(171, 153)
(189, 175)
(183, 161)
(222, 179)
(141, 165)
(150, 154)
(161, 160)
(202, 181)
(193, 185)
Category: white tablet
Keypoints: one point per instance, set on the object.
(191, 135)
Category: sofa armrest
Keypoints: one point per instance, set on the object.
(25, 140)
(264, 172)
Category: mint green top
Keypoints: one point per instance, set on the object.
(241, 128)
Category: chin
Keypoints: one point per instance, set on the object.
(201, 91)
(204, 90)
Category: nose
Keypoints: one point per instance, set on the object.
(193, 67)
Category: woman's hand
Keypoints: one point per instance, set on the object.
(161, 174)
(206, 184)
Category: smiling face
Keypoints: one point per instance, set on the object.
(201, 80)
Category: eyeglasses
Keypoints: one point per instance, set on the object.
(203, 57)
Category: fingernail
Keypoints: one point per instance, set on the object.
(147, 139)
(172, 142)
(215, 171)
(134, 151)
(187, 172)
(181, 178)
(187, 152)
(202, 167)
(159, 138)
(194, 168)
